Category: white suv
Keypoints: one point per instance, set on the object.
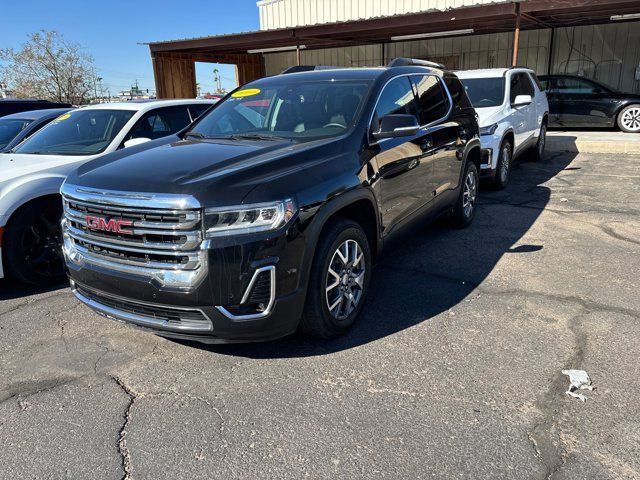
(31, 174)
(512, 114)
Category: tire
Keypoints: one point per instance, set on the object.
(537, 153)
(629, 119)
(503, 167)
(465, 208)
(318, 320)
(32, 244)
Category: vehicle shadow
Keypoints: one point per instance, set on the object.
(435, 269)
(10, 289)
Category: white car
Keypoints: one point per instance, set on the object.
(31, 174)
(512, 113)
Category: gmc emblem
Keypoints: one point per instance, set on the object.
(111, 225)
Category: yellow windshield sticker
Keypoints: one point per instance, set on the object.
(245, 93)
(63, 117)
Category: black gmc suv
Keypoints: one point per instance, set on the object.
(266, 214)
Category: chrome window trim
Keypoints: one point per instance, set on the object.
(422, 127)
(141, 320)
(247, 292)
(141, 200)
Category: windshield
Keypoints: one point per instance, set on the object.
(484, 92)
(9, 128)
(80, 132)
(296, 111)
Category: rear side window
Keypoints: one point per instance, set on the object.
(396, 98)
(160, 123)
(457, 92)
(433, 102)
(520, 85)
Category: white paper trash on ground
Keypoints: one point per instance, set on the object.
(579, 380)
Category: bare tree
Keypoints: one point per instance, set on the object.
(49, 67)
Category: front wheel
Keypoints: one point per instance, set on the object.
(32, 244)
(503, 167)
(339, 280)
(629, 119)
(538, 153)
(465, 208)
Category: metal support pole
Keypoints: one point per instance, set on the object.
(516, 37)
(298, 54)
(551, 46)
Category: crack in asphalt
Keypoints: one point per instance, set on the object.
(125, 455)
(545, 435)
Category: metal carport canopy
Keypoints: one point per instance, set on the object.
(175, 57)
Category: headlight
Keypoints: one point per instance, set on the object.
(242, 219)
(489, 130)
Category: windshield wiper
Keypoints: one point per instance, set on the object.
(254, 136)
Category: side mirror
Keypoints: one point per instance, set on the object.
(397, 125)
(136, 141)
(521, 100)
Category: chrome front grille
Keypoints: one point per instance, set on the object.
(123, 230)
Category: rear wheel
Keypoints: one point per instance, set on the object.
(32, 244)
(629, 119)
(465, 208)
(339, 280)
(503, 167)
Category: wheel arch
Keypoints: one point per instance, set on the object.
(358, 205)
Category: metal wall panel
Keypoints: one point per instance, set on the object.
(294, 13)
(608, 53)
(472, 51)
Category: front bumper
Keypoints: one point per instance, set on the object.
(209, 310)
(489, 155)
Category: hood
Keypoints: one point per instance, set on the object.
(14, 165)
(213, 171)
(489, 115)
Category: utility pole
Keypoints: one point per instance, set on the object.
(99, 79)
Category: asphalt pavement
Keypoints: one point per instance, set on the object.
(453, 371)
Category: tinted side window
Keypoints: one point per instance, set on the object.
(457, 92)
(196, 110)
(573, 85)
(537, 81)
(396, 98)
(520, 85)
(434, 104)
(160, 123)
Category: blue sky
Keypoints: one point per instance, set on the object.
(111, 30)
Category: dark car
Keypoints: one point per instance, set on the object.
(9, 106)
(266, 215)
(18, 126)
(580, 102)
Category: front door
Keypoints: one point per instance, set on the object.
(581, 103)
(404, 163)
(523, 117)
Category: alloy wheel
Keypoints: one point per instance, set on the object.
(541, 140)
(469, 193)
(505, 164)
(631, 119)
(345, 279)
(41, 245)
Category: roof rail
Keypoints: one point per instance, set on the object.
(520, 66)
(307, 68)
(407, 62)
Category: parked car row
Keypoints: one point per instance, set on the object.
(34, 166)
(264, 215)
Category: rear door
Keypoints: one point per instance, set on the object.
(444, 136)
(524, 116)
(406, 172)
